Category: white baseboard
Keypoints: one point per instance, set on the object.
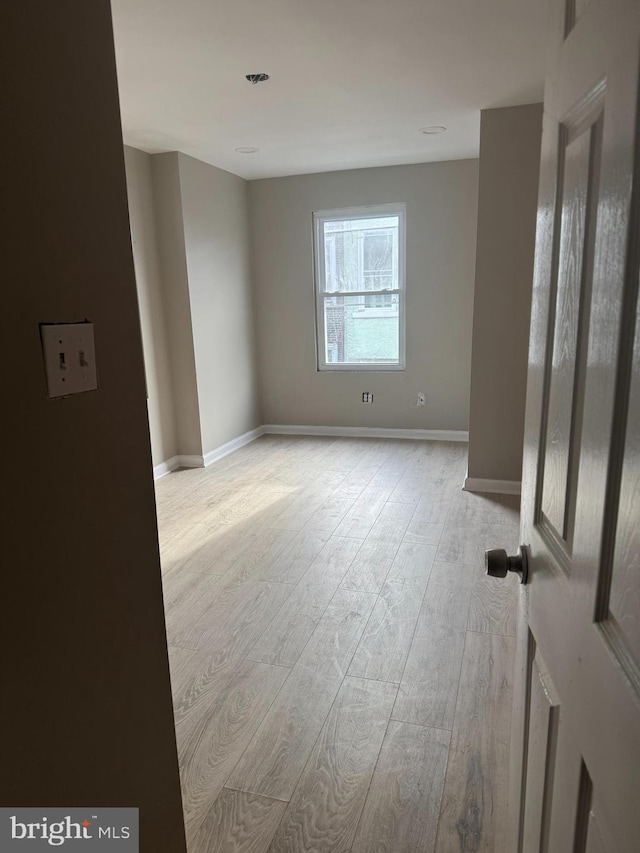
(235, 444)
(495, 487)
(195, 461)
(191, 461)
(177, 462)
(166, 467)
(367, 432)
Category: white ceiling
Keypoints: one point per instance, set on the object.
(352, 81)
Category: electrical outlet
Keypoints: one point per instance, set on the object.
(422, 398)
(69, 358)
(367, 397)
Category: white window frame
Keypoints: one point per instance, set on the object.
(364, 212)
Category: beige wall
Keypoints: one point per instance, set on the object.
(216, 238)
(173, 264)
(205, 332)
(509, 166)
(86, 716)
(441, 201)
(151, 301)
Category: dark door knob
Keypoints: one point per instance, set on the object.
(497, 563)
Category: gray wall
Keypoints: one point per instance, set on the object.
(151, 301)
(205, 332)
(86, 716)
(509, 166)
(441, 200)
(173, 261)
(216, 238)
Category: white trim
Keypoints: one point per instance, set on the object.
(191, 461)
(195, 461)
(235, 444)
(361, 211)
(165, 467)
(367, 432)
(369, 211)
(495, 487)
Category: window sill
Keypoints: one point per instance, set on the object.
(362, 368)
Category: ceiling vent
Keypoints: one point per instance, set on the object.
(256, 78)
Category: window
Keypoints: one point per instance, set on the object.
(360, 288)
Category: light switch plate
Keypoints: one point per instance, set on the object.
(69, 358)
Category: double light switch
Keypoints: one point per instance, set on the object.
(69, 358)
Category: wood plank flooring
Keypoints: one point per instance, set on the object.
(341, 667)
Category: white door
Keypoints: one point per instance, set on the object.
(575, 781)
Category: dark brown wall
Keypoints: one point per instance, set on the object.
(86, 708)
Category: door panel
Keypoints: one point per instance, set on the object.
(579, 162)
(544, 715)
(575, 8)
(571, 797)
(575, 779)
(594, 841)
(623, 610)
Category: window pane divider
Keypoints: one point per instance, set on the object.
(330, 293)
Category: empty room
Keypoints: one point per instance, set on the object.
(326, 342)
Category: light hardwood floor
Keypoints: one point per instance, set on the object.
(341, 667)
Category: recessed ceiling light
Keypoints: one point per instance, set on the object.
(433, 130)
(247, 150)
(256, 78)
